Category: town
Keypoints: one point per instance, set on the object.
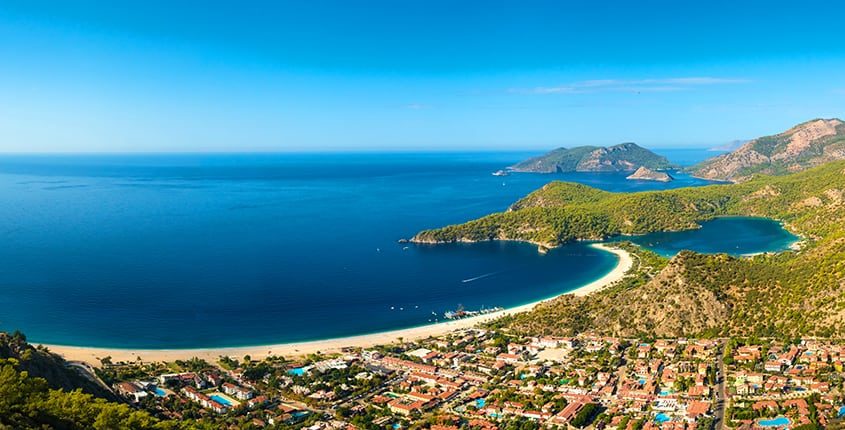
(484, 379)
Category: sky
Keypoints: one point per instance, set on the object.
(316, 75)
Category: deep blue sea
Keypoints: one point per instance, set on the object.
(170, 251)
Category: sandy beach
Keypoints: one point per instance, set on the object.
(92, 355)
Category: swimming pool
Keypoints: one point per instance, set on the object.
(774, 422)
(661, 418)
(220, 399)
(842, 411)
(299, 371)
(479, 403)
(160, 393)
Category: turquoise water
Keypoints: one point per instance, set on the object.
(159, 392)
(220, 399)
(774, 422)
(842, 411)
(662, 418)
(155, 251)
(480, 403)
(732, 235)
(297, 371)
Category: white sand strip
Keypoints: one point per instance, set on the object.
(92, 355)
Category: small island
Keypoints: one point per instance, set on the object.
(646, 174)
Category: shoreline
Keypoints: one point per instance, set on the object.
(91, 355)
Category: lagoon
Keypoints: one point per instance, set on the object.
(731, 235)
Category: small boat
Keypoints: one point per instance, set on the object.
(500, 173)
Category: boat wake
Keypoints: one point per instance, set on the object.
(479, 277)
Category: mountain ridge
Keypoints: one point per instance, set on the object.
(805, 145)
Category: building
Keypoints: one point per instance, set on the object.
(238, 392)
(131, 391)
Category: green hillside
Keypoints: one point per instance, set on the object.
(790, 293)
(616, 158)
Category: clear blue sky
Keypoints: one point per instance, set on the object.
(407, 75)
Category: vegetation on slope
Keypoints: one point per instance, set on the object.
(622, 157)
(792, 293)
(56, 399)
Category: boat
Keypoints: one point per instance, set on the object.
(461, 313)
(501, 173)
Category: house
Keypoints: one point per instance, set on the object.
(256, 401)
(773, 366)
(238, 392)
(507, 358)
(697, 408)
(404, 406)
(568, 412)
(131, 391)
(205, 401)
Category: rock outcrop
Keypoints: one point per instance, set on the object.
(646, 174)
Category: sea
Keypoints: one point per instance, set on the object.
(210, 250)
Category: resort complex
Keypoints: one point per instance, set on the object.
(487, 379)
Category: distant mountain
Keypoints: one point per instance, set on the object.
(646, 174)
(806, 145)
(730, 146)
(625, 157)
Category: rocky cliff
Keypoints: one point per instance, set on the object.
(806, 145)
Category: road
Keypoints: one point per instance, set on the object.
(87, 371)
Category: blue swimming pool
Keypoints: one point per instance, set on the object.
(842, 411)
(220, 399)
(662, 418)
(774, 422)
(299, 371)
(159, 392)
(479, 403)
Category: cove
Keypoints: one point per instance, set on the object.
(732, 235)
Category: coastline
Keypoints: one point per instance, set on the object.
(91, 355)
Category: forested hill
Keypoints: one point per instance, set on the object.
(39, 362)
(38, 391)
(625, 157)
(789, 293)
